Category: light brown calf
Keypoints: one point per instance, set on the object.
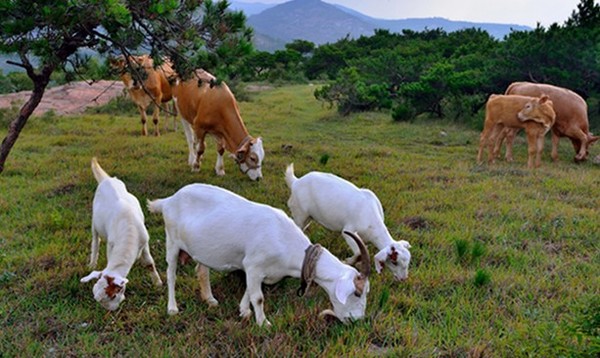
(533, 114)
(571, 118)
(155, 90)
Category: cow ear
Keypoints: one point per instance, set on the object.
(543, 98)
(239, 155)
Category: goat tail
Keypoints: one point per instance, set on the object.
(290, 178)
(99, 173)
(156, 206)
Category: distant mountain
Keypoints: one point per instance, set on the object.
(249, 8)
(320, 22)
(311, 20)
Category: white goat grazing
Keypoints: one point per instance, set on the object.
(339, 205)
(224, 231)
(117, 216)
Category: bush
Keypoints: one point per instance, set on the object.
(402, 112)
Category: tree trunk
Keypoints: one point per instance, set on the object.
(15, 127)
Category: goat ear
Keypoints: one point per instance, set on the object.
(120, 281)
(380, 260)
(92, 276)
(405, 243)
(343, 289)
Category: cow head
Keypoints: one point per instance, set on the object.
(109, 290)
(249, 157)
(539, 110)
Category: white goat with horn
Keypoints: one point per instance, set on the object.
(224, 231)
(339, 205)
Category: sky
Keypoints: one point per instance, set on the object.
(517, 12)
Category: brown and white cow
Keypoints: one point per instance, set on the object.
(534, 114)
(571, 118)
(155, 89)
(208, 107)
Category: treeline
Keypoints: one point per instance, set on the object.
(409, 74)
(438, 73)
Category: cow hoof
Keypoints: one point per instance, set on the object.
(211, 302)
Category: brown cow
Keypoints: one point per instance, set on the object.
(211, 108)
(571, 118)
(535, 115)
(155, 89)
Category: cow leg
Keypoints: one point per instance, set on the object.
(579, 140)
(539, 148)
(155, 117)
(483, 138)
(203, 275)
(220, 167)
(200, 151)
(531, 147)
(510, 138)
(173, 109)
(144, 120)
(190, 136)
(492, 138)
(555, 140)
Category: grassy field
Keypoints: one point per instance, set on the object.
(505, 261)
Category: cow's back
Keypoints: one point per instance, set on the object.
(208, 106)
(569, 107)
(504, 109)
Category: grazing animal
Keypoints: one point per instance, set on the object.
(224, 231)
(339, 205)
(155, 89)
(571, 118)
(210, 108)
(117, 217)
(535, 115)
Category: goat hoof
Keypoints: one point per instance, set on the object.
(245, 314)
(220, 173)
(212, 302)
(266, 323)
(173, 311)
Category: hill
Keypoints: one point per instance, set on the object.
(320, 22)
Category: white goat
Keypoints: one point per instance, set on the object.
(339, 205)
(224, 231)
(117, 217)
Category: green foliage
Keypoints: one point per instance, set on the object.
(482, 278)
(450, 75)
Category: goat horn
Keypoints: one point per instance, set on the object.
(365, 270)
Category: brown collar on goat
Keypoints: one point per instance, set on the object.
(309, 265)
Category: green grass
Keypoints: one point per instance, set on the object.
(505, 261)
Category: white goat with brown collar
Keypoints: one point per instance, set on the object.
(117, 216)
(339, 205)
(224, 231)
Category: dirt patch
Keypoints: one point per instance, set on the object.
(72, 98)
